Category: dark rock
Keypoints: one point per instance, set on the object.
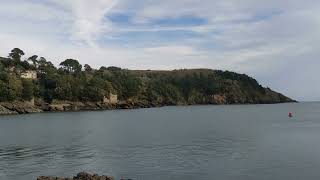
(52, 178)
(21, 107)
(80, 176)
(87, 176)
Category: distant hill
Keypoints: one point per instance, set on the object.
(35, 77)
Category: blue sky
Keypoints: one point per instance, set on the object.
(275, 41)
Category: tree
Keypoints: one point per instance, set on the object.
(87, 68)
(28, 90)
(103, 68)
(113, 68)
(46, 87)
(6, 62)
(16, 54)
(34, 60)
(25, 65)
(43, 64)
(71, 65)
(14, 88)
(1, 66)
(63, 90)
(46, 66)
(154, 87)
(96, 89)
(4, 91)
(129, 85)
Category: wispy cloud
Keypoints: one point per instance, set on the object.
(88, 18)
(263, 38)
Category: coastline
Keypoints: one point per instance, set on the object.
(79, 176)
(18, 108)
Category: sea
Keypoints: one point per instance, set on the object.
(234, 142)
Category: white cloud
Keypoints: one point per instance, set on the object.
(30, 11)
(88, 18)
(178, 50)
(262, 38)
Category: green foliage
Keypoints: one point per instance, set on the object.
(64, 88)
(6, 62)
(4, 91)
(15, 87)
(113, 68)
(2, 67)
(28, 89)
(87, 68)
(95, 89)
(130, 86)
(16, 54)
(10, 87)
(33, 59)
(71, 65)
(45, 66)
(70, 83)
(25, 65)
(102, 68)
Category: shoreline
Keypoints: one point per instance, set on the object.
(79, 176)
(20, 108)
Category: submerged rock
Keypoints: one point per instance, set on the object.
(80, 176)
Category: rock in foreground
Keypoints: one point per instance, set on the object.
(80, 176)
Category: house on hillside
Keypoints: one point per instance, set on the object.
(29, 74)
(112, 99)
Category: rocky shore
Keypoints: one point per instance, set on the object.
(80, 176)
(5, 111)
(13, 108)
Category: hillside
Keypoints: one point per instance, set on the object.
(35, 78)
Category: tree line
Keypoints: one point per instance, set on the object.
(71, 81)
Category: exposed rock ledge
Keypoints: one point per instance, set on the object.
(8, 108)
(5, 111)
(80, 176)
(12, 108)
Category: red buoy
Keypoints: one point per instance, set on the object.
(290, 114)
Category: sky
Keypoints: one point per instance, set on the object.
(275, 41)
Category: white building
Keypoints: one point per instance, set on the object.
(113, 99)
(29, 75)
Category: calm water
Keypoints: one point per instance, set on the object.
(176, 143)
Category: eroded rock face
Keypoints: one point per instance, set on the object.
(80, 176)
(219, 99)
(5, 111)
(20, 107)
